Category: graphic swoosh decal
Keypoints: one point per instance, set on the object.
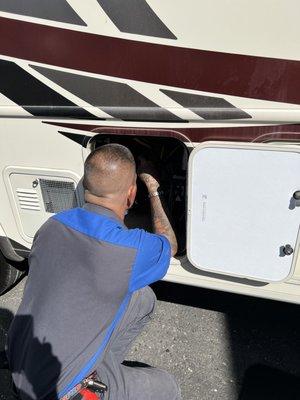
(135, 16)
(34, 96)
(254, 133)
(207, 71)
(115, 98)
(207, 107)
(54, 10)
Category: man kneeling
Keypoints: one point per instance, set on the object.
(86, 296)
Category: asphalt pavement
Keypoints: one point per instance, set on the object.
(218, 345)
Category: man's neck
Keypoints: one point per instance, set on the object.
(106, 203)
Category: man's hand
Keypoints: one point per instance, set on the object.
(148, 174)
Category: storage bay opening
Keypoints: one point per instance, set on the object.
(170, 157)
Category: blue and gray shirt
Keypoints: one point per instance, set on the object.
(84, 266)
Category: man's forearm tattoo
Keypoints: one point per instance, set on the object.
(161, 223)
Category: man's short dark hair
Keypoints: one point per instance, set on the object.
(98, 164)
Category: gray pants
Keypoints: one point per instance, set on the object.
(134, 383)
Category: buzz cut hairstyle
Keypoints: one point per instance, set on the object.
(113, 152)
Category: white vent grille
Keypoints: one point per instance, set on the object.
(58, 195)
(28, 199)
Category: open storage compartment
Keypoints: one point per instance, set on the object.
(170, 156)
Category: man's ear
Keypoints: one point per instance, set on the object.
(131, 195)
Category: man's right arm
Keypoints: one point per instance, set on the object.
(160, 220)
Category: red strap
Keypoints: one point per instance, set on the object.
(88, 394)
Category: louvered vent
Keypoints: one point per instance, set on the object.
(58, 195)
(28, 199)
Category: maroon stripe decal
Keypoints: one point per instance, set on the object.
(231, 74)
(253, 133)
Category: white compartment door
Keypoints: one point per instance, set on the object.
(243, 220)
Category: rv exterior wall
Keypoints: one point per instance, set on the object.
(69, 74)
(48, 148)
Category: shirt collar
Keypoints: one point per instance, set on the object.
(102, 211)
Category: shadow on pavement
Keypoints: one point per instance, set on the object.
(40, 362)
(263, 335)
(261, 383)
(6, 317)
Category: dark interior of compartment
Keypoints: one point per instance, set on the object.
(170, 157)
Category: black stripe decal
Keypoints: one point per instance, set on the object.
(34, 96)
(54, 10)
(115, 98)
(76, 137)
(135, 16)
(207, 107)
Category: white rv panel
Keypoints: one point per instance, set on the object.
(241, 213)
(32, 202)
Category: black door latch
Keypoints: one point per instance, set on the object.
(287, 250)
